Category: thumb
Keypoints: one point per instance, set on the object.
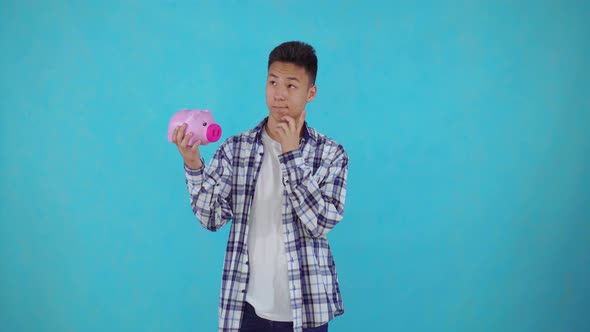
(302, 117)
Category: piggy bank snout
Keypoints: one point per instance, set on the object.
(213, 132)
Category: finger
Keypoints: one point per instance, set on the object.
(180, 133)
(299, 121)
(302, 118)
(174, 135)
(290, 123)
(186, 139)
(293, 126)
(281, 129)
(283, 126)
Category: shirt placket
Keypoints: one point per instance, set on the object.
(293, 262)
(244, 264)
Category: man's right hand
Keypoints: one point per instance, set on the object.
(190, 154)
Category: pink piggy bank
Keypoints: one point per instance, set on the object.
(200, 123)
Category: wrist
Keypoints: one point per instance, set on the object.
(194, 164)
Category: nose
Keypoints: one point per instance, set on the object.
(213, 132)
(280, 93)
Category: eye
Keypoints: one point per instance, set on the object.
(291, 86)
(204, 124)
(272, 83)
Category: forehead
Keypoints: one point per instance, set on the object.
(288, 71)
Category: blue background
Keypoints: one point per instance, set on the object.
(467, 124)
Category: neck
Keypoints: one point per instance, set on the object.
(270, 133)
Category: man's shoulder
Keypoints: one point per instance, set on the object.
(323, 139)
(325, 142)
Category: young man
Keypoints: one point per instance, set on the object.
(283, 184)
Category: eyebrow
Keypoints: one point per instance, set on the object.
(288, 78)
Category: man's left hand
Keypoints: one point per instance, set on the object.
(288, 132)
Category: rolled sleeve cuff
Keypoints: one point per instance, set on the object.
(292, 159)
(194, 175)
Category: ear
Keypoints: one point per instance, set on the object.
(311, 93)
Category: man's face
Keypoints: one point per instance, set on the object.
(287, 90)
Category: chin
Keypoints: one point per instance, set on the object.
(277, 116)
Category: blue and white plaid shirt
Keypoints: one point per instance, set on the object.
(314, 177)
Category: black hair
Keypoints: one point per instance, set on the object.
(298, 53)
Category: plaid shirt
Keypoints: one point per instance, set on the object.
(314, 178)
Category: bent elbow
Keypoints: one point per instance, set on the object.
(324, 226)
(205, 219)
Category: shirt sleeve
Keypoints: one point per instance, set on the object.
(209, 188)
(319, 204)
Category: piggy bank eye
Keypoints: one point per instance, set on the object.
(204, 124)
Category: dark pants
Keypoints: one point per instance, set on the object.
(252, 323)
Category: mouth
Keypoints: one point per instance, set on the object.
(280, 108)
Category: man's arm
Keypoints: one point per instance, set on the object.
(210, 191)
(209, 187)
(319, 206)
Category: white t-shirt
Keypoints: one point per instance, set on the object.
(268, 288)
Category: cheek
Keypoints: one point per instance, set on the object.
(299, 99)
(269, 99)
